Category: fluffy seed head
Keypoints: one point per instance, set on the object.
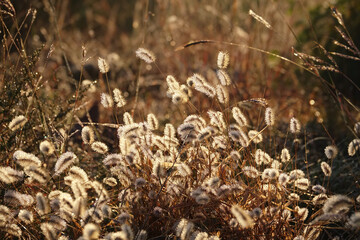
(26, 216)
(255, 136)
(296, 174)
(145, 55)
(47, 148)
(91, 231)
(318, 189)
(78, 174)
(110, 181)
(337, 204)
(283, 178)
(302, 183)
(262, 157)
(26, 159)
(99, 147)
(106, 100)
(222, 94)
(42, 204)
(103, 65)
(202, 198)
(295, 126)
(223, 77)
(239, 116)
(285, 155)
(223, 60)
(331, 151)
(259, 19)
(357, 128)
(353, 147)
(87, 135)
(127, 118)
(64, 161)
(18, 199)
(326, 169)
(242, 216)
(9, 175)
(354, 221)
(152, 121)
(206, 89)
(17, 122)
(269, 116)
(250, 171)
(319, 199)
(118, 98)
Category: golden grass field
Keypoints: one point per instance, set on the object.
(179, 119)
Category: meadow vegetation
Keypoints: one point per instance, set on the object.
(178, 120)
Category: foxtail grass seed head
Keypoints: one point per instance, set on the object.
(87, 135)
(206, 89)
(88, 85)
(152, 121)
(235, 155)
(250, 171)
(49, 231)
(353, 147)
(64, 161)
(269, 116)
(9, 175)
(276, 164)
(318, 189)
(17, 122)
(91, 231)
(285, 155)
(12, 229)
(222, 94)
(103, 65)
(223, 60)
(262, 157)
(145, 55)
(302, 213)
(106, 100)
(118, 98)
(99, 147)
(284, 178)
(354, 221)
(331, 151)
(47, 148)
(223, 77)
(78, 174)
(255, 136)
(202, 198)
(16, 198)
(326, 169)
(338, 204)
(295, 126)
(42, 204)
(319, 199)
(302, 183)
(294, 197)
(242, 216)
(357, 128)
(296, 174)
(26, 159)
(259, 19)
(127, 118)
(239, 117)
(26, 216)
(110, 181)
